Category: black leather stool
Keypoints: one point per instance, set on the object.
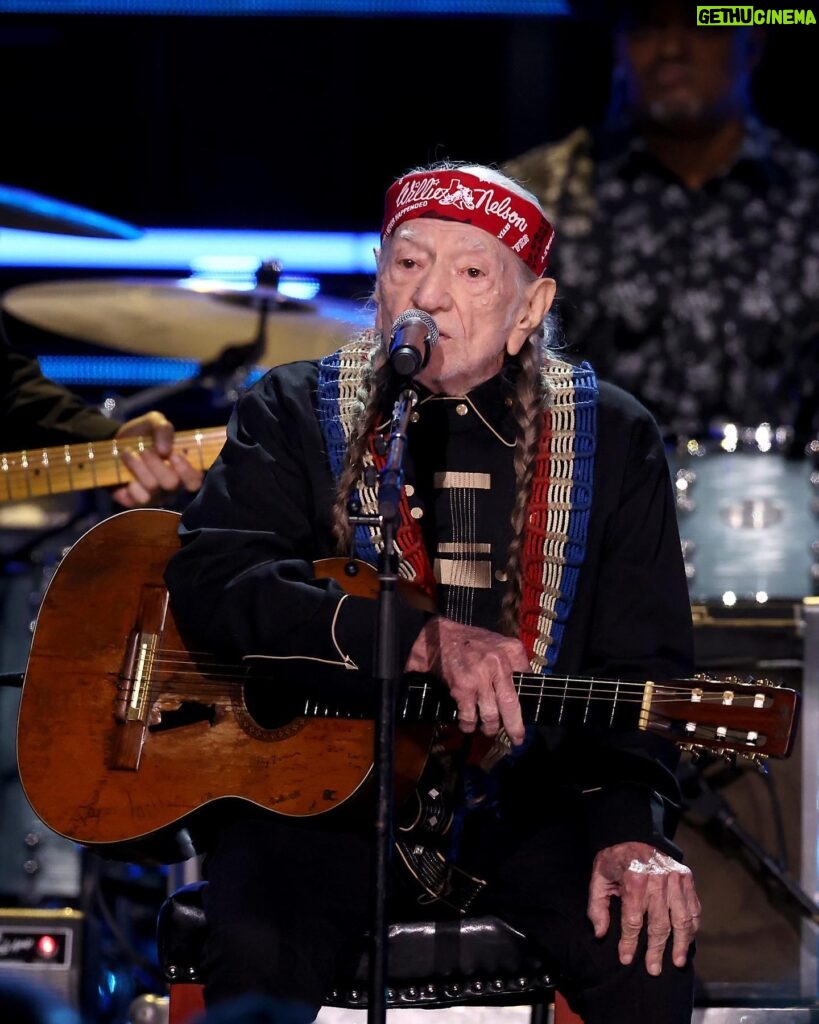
(471, 961)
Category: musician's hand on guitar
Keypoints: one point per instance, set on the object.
(156, 469)
(654, 890)
(477, 666)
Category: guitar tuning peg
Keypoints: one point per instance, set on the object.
(760, 761)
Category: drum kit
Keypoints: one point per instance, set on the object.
(191, 318)
(748, 511)
(226, 330)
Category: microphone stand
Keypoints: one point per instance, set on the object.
(387, 675)
(714, 807)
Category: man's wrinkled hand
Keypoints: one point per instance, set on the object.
(477, 666)
(654, 890)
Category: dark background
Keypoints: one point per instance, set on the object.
(283, 122)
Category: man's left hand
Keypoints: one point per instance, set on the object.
(654, 889)
(156, 469)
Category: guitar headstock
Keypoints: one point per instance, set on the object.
(750, 718)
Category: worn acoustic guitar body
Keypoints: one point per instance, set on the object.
(105, 630)
(98, 768)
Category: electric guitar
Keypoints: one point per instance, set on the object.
(107, 654)
(41, 472)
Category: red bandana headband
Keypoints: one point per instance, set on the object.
(459, 195)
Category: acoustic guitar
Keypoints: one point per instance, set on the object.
(41, 472)
(107, 653)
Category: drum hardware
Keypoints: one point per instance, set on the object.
(46, 513)
(747, 515)
(190, 318)
(223, 376)
(29, 211)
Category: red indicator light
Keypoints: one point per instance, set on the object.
(47, 947)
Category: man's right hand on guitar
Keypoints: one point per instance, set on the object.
(477, 665)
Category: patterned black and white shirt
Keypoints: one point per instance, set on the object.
(704, 304)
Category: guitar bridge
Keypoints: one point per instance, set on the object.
(135, 690)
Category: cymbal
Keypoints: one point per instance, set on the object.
(168, 318)
(29, 211)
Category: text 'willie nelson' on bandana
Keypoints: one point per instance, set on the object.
(459, 195)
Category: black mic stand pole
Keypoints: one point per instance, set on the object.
(714, 807)
(387, 674)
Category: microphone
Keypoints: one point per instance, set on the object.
(413, 335)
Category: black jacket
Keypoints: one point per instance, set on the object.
(243, 583)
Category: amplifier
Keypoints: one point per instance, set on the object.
(43, 949)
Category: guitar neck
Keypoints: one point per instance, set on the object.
(751, 717)
(548, 700)
(76, 467)
(598, 703)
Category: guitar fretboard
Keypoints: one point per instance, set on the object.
(544, 700)
(40, 472)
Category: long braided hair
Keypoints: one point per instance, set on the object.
(529, 402)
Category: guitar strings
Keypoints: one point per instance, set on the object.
(552, 687)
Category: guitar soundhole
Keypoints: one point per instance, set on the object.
(268, 713)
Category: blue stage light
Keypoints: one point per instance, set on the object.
(180, 250)
(356, 8)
